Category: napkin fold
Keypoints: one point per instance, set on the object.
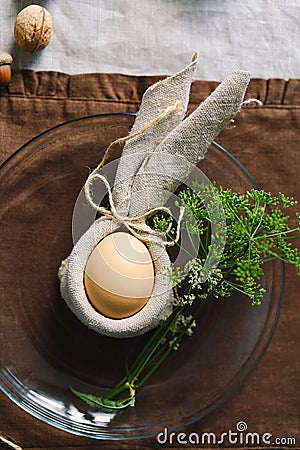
(160, 151)
(188, 142)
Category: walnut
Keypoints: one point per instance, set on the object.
(33, 27)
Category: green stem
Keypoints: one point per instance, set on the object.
(172, 346)
(277, 256)
(239, 219)
(147, 358)
(180, 246)
(259, 223)
(207, 237)
(154, 338)
(203, 248)
(145, 355)
(117, 390)
(190, 238)
(280, 233)
(235, 286)
(254, 216)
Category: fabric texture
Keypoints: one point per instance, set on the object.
(120, 36)
(188, 142)
(142, 183)
(156, 99)
(71, 274)
(266, 140)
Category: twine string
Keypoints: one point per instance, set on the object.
(252, 100)
(9, 443)
(134, 224)
(177, 106)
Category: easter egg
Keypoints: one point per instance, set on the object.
(119, 275)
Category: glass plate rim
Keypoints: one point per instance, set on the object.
(30, 410)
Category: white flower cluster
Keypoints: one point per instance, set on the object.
(197, 273)
(182, 323)
(186, 299)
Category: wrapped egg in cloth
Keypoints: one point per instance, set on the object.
(115, 279)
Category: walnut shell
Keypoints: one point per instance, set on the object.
(33, 27)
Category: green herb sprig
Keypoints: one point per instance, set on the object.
(257, 231)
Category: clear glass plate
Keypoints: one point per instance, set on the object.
(44, 348)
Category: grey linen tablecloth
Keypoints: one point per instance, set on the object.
(146, 37)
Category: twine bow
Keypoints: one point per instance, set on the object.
(135, 225)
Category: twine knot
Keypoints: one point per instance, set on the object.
(135, 225)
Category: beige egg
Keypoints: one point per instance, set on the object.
(119, 275)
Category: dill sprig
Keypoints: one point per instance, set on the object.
(257, 231)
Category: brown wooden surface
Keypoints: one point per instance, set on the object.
(266, 141)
